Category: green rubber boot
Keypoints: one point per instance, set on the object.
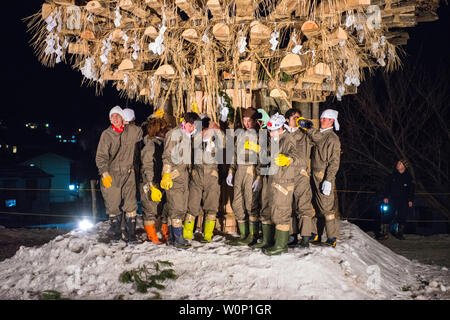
(248, 234)
(268, 231)
(243, 231)
(281, 240)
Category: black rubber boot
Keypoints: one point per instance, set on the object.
(170, 239)
(280, 246)
(115, 229)
(315, 239)
(293, 240)
(130, 227)
(179, 240)
(331, 242)
(268, 231)
(305, 242)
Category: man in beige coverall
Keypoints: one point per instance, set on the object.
(325, 162)
(302, 190)
(175, 175)
(115, 163)
(282, 181)
(204, 183)
(247, 180)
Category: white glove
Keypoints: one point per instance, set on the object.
(230, 179)
(326, 188)
(256, 186)
(224, 114)
(146, 187)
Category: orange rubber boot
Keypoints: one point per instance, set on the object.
(165, 231)
(151, 234)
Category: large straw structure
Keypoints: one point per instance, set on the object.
(302, 50)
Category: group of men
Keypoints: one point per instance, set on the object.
(279, 167)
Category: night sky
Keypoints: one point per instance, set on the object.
(34, 92)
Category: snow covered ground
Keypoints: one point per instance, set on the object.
(80, 267)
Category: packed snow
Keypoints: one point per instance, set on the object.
(80, 267)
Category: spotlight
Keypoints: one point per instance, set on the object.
(85, 225)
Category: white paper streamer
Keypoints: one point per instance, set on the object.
(274, 40)
(136, 48)
(88, 70)
(157, 46)
(118, 17)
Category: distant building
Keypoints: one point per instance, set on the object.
(24, 189)
(63, 189)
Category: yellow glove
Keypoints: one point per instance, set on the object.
(166, 181)
(250, 145)
(194, 107)
(282, 160)
(107, 180)
(156, 194)
(159, 113)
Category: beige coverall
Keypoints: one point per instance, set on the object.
(151, 167)
(115, 155)
(282, 183)
(204, 183)
(325, 162)
(302, 187)
(245, 170)
(176, 161)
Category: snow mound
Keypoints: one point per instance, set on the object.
(80, 267)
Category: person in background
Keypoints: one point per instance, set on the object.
(115, 163)
(399, 195)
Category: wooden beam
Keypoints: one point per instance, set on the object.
(97, 8)
(244, 10)
(130, 6)
(155, 5)
(189, 8)
(216, 9)
(284, 9)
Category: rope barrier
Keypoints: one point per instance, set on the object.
(98, 218)
(361, 219)
(47, 215)
(90, 189)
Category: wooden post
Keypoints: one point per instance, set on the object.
(94, 200)
(315, 114)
